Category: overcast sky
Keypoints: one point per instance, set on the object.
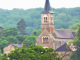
(27, 4)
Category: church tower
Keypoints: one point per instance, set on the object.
(47, 18)
(46, 38)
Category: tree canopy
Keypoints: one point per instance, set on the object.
(63, 18)
(12, 36)
(76, 54)
(32, 53)
(21, 25)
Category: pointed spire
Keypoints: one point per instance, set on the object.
(47, 7)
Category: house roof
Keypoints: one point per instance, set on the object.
(47, 8)
(17, 45)
(62, 48)
(64, 34)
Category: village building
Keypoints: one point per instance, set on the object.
(11, 47)
(51, 37)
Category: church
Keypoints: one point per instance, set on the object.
(51, 37)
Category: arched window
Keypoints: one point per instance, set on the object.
(45, 40)
(45, 19)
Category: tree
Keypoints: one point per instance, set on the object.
(3, 43)
(10, 31)
(30, 40)
(78, 33)
(21, 25)
(21, 38)
(1, 31)
(0, 55)
(36, 32)
(12, 39)
(4, 57)
(76, 54)
(75, 26)
(33, 53)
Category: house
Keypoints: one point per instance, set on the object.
(51, 37)
(11, 47)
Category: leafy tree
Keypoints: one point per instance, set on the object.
(30, 40)
(0, 55)
(21, 25)
(12, 39)
(78, 33)
(76, 54)
(63, 18)
(3, 43)
(21, 38)
(36, 32)
(4, 57)
(75, 26)
(10, 31)
(1, 30)
(33, 53)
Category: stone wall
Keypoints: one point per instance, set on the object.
(8, 49)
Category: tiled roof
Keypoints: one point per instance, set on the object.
(64, 34)
(62, 48)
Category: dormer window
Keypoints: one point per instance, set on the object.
(45, 19)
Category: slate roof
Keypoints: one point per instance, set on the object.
(62, 48)
(47, 8)
(64, 34)
(17, 45)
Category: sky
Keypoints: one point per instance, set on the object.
(28, 4)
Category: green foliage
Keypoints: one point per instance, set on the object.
(3, 43)
(75, 40)
(10, 31)
(76, 54)
(63, 18)
(21, 38)
(4, 57)
(33, 53)
(30, 40)
(76, 26)
(78, 33)
(36, 32)
(12, 36)
(21, 25)
(0, 55)
(12, 39)
(8, 36)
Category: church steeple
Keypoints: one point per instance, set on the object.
(47, 8)
(47, 18)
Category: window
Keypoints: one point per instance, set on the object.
(45, 40)
(51, 18)
(45, 19)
